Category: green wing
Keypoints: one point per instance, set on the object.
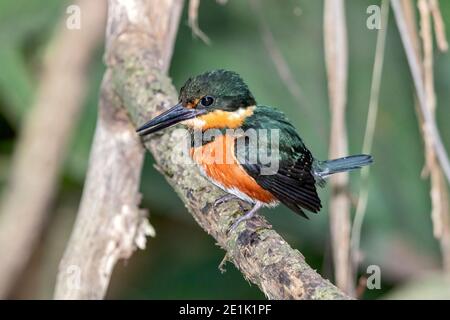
(293, 183)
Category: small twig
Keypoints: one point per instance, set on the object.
(281, 65)
(369, 134)
(438, 191)
(336, 56)
(193, 21)
(416, 71)
(223, 263)
(439, 26)
(409, 12)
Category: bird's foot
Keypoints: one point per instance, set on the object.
(223, 199)
(250, 214)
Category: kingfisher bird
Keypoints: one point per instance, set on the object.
(220, 100)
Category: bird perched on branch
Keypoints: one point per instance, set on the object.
(221, 102)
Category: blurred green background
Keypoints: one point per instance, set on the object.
(182, 261)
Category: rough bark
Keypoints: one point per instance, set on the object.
(109, 224)
(137, 58)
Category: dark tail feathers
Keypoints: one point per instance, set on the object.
(328, 167)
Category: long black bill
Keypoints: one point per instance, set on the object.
(168, 118)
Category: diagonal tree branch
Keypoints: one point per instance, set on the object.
(137, 59)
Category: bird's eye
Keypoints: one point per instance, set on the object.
(207, 101)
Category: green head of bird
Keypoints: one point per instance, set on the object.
(214, 99)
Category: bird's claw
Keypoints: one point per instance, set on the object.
(223, 199)
(248, 215)
(237, 222)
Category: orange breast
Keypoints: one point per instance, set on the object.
(219, 163)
